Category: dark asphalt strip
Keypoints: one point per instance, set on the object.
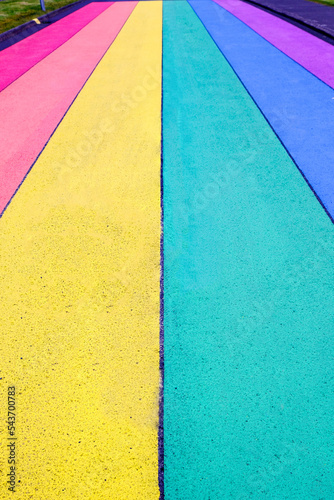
(314, 18)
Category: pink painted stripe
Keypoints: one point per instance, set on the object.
(19, 58)
(309, 51)
(35, 103)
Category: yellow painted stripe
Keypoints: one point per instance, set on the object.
(79, 287)
(37, 21)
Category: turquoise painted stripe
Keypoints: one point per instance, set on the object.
(298, 105)
(249, 301)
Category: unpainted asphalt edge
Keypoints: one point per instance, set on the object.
(306, 26)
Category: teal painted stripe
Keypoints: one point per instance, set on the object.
(248, 290)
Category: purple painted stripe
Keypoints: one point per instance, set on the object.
(316, 15)
(309, 51)
(161, 438)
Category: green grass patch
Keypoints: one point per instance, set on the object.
(324, 2)
(16, 12)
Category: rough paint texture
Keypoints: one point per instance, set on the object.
(249, 256)
(298, 105)
(80, 252)
(19, 58)
(35, 103)
(311, 13)
(312, 53)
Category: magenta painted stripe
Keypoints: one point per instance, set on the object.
(35, 103)
(309, 51)
(19, 58)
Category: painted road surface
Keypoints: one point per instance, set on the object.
(249, 256)
(298, 105)
(313, 14)
(19, 58)
(166, 260)
(311, 52)
(35, 103)
(80, 254)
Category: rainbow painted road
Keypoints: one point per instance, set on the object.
(167, 256)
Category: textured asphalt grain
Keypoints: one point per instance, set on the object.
(246, 295)
(36, 102)
(299, 106)
(19, 58)
(80, 255)
(309, 51)
(248, 259)
(311, 13)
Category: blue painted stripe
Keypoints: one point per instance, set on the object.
(299, 107)
(248, 295)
